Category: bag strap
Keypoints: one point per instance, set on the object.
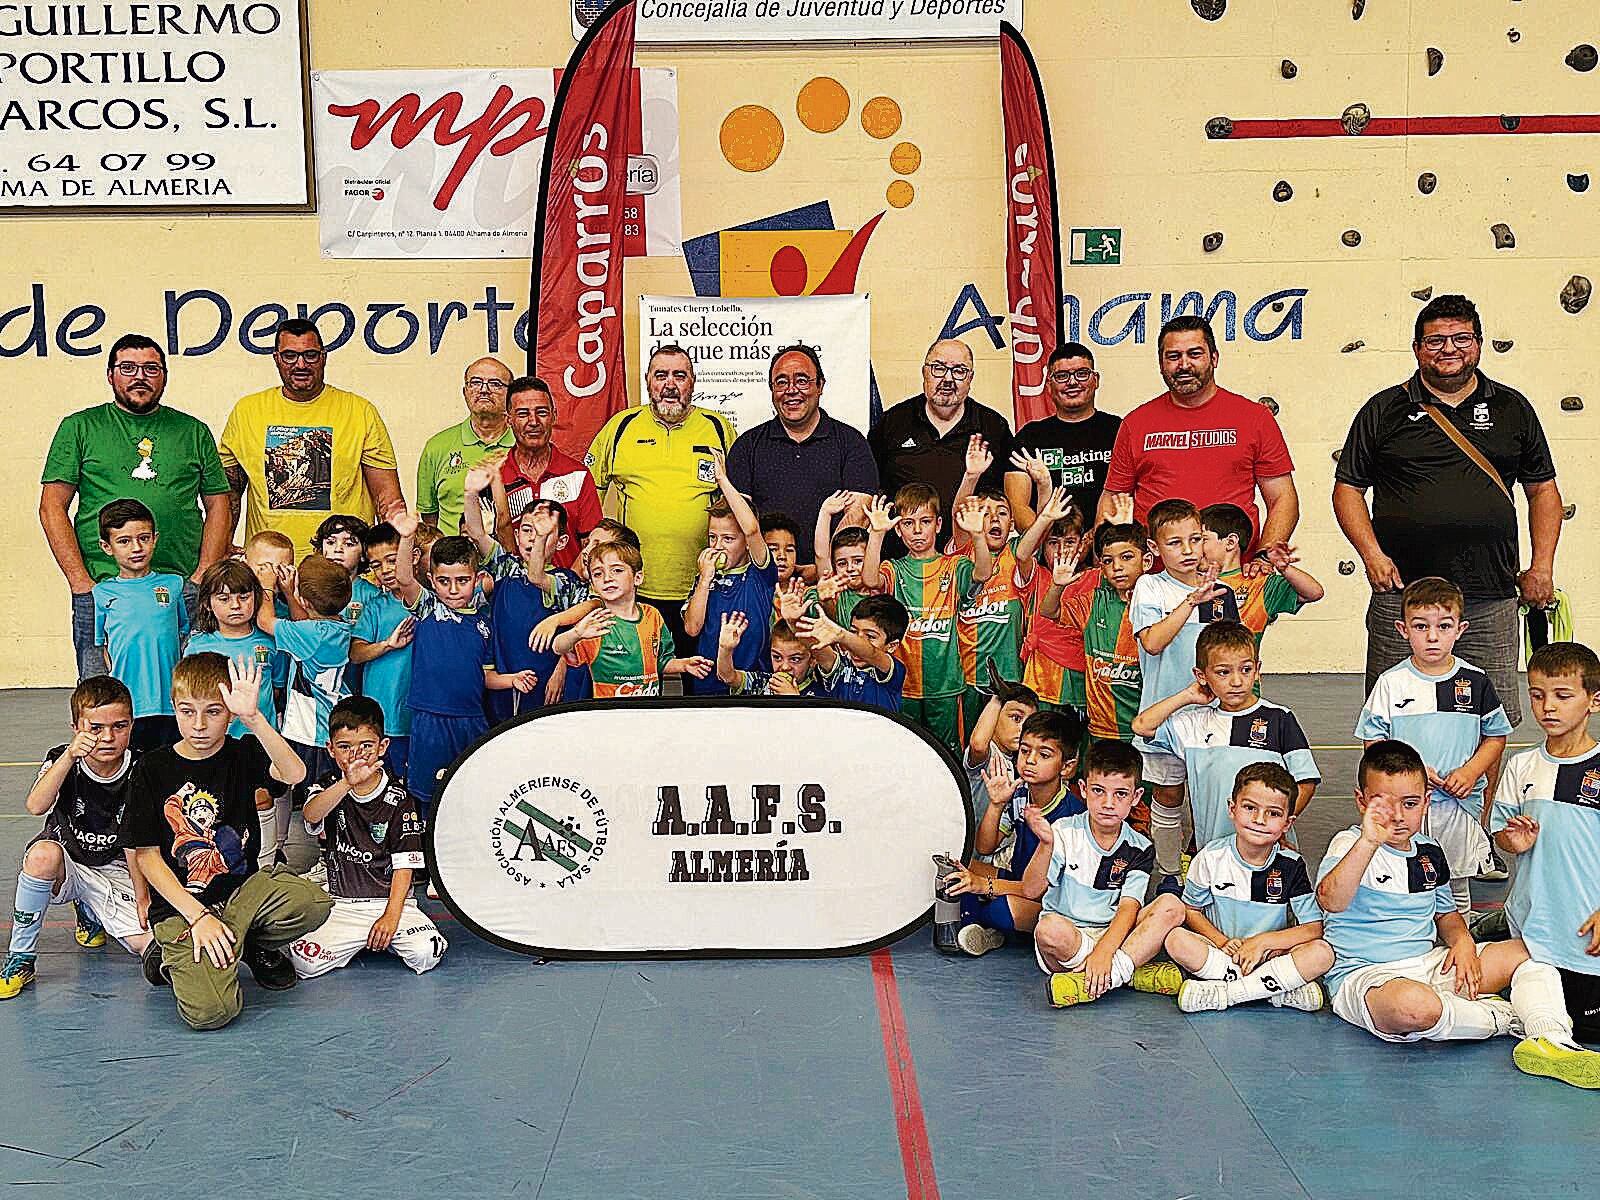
(1466, 447)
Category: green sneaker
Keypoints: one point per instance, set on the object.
(16, 974)
(1067, 988)
(1540, 1056)
(91, 934)
(1161, 979)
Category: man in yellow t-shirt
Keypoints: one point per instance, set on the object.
(304, 451)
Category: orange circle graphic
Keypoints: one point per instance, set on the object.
(905, 158)
(900, 193)
(880, 117)
(751, 137)
(823, 105)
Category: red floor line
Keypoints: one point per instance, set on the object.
(916, 1156)
(1300, 127)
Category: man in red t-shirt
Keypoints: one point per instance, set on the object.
(1202, 443)
(536, 470)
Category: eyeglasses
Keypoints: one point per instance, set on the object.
(800, 383)
(149, 370)
(310, 357)
(1436, 341)
(1081, 375)
(487, 385)
(939, 370)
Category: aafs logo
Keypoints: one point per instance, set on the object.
(549, 832)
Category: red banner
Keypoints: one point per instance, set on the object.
(578, 244)
(1033, 235)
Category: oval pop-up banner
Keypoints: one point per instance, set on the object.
(675, 828)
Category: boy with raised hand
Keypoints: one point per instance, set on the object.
(1098, 614)
(1384, 891)
(1547, 813)
(1217, 725)
(1276, 587)
(990, 626)
(840, 556)
(1052, 656)
(791, 672)
(371, 837)
(996, 737)
(932, 586)
(81, 792)
(381, 644)
(1242, 890)
(869, 671)
(1091, 871)
(993, 901)
(624, 643)
(191, 824)
(735, 572)
(140, 619)
(452, 655)
(1448, 710)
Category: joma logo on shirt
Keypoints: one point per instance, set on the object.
(1191, 439)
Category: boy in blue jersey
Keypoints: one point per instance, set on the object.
(140, 620)
(735, 572)
(792, 667)
(1547, 813)
(1384, 891)
(868, 671)
(380, 643)
(452, 656)
(1242, 890)
(996, 737)
(1091, 870)
(1448, 710)
(1217, 725)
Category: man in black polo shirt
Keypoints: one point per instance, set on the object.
(1075, 441)
(924, 439)
(795, 461)
(1435, 512)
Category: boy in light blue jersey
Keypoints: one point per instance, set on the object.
(140, 620)
(1384, 890)
(1217, 725)
(1547, 813)
(1253, 929)
(341, 539)
(1447, 709)
(380, 643)
(225, 624)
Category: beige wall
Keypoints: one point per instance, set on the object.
(1130, 87)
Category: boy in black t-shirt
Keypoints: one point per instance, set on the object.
(81, 792)
(371, 837)
(191, 823)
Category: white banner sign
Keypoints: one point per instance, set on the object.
(809, 20)
(733, 339)
(445, 164)
(806, 828)
(123, 107)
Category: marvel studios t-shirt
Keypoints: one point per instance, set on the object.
(365, 839)
(87, 818)
(202, 816)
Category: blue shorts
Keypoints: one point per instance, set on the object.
(992, 912)
(436, 742)
(397, 756)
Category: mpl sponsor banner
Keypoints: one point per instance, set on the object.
(128, 107)
(733, 339)
(617, 830)
(445, 164)
(809, 20)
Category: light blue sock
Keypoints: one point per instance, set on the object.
(33, 897)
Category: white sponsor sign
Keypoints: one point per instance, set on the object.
(732, 340)
(617, 829)
(445, 164)
(131, 106)
(808, 20)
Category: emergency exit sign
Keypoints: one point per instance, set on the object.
(1096, 247)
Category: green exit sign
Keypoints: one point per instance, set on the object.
(1096, 247)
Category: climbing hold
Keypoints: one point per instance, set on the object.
(1219, 127)
(1569, 512)
(1357, 7)
(1501, 345)
(1355, 118)
(1423, 293)
(1435, 61)
(1281, 191)
(1277, 306)
(1350, 347)
(1509, 124)
(1426, 182)
(1578, 183)
(1288, 69)
(1209, 10)
(1504, 239)
(1351, 237)
(1346, 567)
(1571, 404)
(1583, 57)
(1575, 296)
(1336, 454)
(1513, 36)
(1270, 405)
(1212, 241)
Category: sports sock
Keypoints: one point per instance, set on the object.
(33, 897)
(1537, 996)
(1462, 1020)
(1218, 966)
(1461, 890)
(1121, 968)
(1275, 976)
(282, 813)
(1166, 830)
(269, 835)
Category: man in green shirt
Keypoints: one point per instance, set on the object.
(452, 452)
(132, 448)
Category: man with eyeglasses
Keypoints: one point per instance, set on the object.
(132, 447)
(1436, 512)
(924, 439)
(451, 453)
(1073, 443)
(795, 461)
(305, 450)
(536, 470)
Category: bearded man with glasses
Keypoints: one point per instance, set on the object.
(1071, 447)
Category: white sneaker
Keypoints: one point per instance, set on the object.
(318, 874)
(978, 941)
(1203, 995)
(1506, 1021)
(1307, 997)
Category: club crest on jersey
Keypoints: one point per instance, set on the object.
(263, 656)
(1589, 789)
(1463, 694)
(379, 828)
(1119, 869)
(705, 471)
(1480, 416)
(353, 613)
(1258, 731)
(163, 596)
(456, 462)
(1430, 872)
(1275, 884)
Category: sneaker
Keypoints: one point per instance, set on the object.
(318, 874)
(432, 892)
(978, 941)
(1307, 997)
(16, 974)
(1506, 1021)
(272, 968)
(155, 971)
(91, 934)
(1160, 979)
(947, 937)
(1203, 995)
(1540, 1056)
(1067, 988)
(1496, 871)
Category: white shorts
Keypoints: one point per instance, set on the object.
(343, 935)
(1350, 1001)
(1163, 769)
(1460, 836)
(105, 891)
(1088, 938)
